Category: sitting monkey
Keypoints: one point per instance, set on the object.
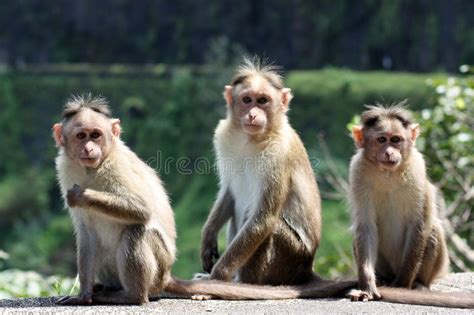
(399, 240)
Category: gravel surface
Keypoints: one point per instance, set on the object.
(461, 282)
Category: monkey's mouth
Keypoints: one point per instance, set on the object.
(89, 161)
(388, 164)
(253, 128)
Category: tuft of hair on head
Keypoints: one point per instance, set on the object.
(375, 113)
(78, 102)
(258, 66)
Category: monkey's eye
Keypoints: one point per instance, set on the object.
(262, 100)
(81, 135)
(381, 139)
(395, 139)
(95, 135)
(246, 99)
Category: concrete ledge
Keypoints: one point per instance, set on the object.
(460, 282)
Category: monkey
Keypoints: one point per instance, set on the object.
(268, 192)
(122, 218)
(398, 237)
(123, 221)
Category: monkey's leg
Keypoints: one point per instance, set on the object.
(383, 271)
(414, 248)
(136, 266)
(435, 258)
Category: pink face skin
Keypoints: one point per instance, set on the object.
(386, 144)
(87, 137)
(388, 149)
(89, 143)
(253, 108)
(255, 103)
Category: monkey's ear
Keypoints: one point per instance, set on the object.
(415, 131)
(286, 97)
(116, 129)
(228, 94)
(358, 136)
(58, 135)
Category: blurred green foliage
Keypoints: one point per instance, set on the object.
(167, 113)
(448, 144)
(410, 35)
(17, 283)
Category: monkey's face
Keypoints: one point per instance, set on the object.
(387, 144)
(388, 148)
(87, 138)
(256, 104)
(88, 144)
(253, 109)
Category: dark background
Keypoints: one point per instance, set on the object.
(412, 35)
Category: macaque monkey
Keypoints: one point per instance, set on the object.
(124, 224)
(399, 240)
(122, 218)
(268, 192)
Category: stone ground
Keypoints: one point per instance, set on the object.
(461, 282)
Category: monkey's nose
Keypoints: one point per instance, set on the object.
(251, 117)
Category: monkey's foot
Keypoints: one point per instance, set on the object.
(363, 296)
(74, 300)
(201, 276)
(201, 297)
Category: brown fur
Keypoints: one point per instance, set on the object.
(273, 210)
(122, 218)
(398, 237)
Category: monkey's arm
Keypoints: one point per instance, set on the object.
(86, 252)
(126, 208)
(365, 245)
(253, 233)
(221, 212)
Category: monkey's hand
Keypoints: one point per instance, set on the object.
(209, 253)
(220, 272)
(75, 196)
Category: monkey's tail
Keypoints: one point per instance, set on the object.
(431, 298)
(240, 291)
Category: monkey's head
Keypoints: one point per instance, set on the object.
(387, 135)
(256, 98)
(87, 132)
